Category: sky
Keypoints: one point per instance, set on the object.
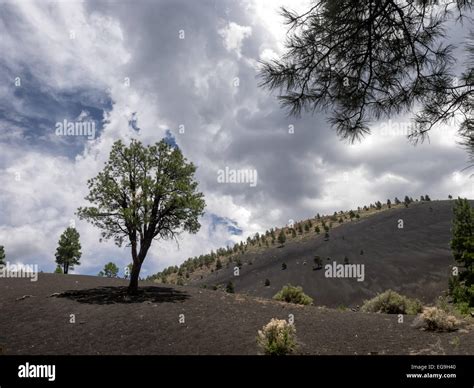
(185, 70)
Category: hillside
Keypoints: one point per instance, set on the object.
(415, 260)
(200, 266)
(36, 319)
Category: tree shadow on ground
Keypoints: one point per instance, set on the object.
(114, 295)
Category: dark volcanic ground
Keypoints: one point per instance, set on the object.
(215, 322)
(415, 260)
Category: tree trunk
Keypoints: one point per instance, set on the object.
(66, 267)
(133, 286)
(137, 264)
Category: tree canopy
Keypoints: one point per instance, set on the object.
(364, 60)
(68, 252)
(462, 243)
(110, 270)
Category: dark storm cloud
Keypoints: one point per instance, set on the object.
(250, 128)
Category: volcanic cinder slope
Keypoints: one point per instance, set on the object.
(74, 314)
(414, 260)
(36, 318)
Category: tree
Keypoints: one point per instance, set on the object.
(406, 201)
(68, 251)
(110, 270)
(461, 287)
(58, 270)
(450, 196)
(351, 214)
(2, 255)
(397, 201)
(363, 60)
(422, 198)
(462, 243)
(317, 229)
(378, 205)
(144, 193)
(389, 203)
(326, 236)
(218, 264)
(427, 197)
(281, 237)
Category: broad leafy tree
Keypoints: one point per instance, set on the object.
(144, 193)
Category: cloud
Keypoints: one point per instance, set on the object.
(233, 36)
(127, 64)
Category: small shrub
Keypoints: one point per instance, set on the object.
(267, 283)
(283, 266)
(282, 237)
(230, 288)
(293, 294)
(436, 319)
(277, 337)
(391, 302)
(463, 308)
(318, 263)
(460, 292)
